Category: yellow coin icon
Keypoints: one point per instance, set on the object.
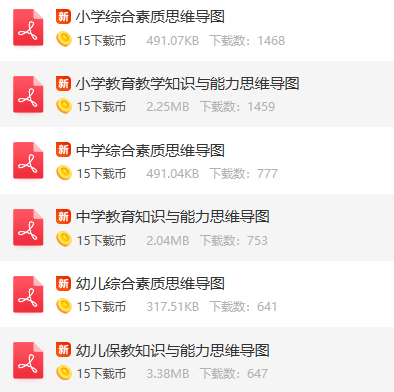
(63, 38)
(64, 372)
(64, 172)
(63, 238)
(64, 305)
(64, 105)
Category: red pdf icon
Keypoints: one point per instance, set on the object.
(28, 160)
(28, 28)
(28, 360)
(28, 296)
(28, 228)
(28, 95)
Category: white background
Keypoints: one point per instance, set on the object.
(315, 159)
(315, 31)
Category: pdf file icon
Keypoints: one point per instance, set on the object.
(28, 160)
(28, 360)
(28, 28)
(28, 295)
(28, 95)
(28, 228)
